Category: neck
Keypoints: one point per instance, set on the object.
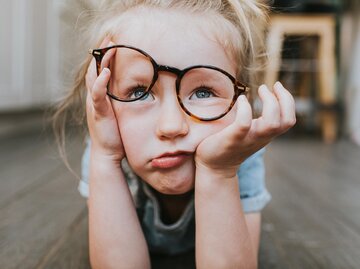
(173, 198)
(172, 205)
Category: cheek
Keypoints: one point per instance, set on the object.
(133, 136)
(134, 131)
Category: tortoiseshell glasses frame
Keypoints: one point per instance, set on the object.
(239, 88)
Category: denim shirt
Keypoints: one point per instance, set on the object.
(179, 237)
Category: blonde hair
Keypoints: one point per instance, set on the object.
(244, 23)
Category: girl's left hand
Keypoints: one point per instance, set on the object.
(224, 151)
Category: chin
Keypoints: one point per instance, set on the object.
(168, 184)
(175, 181)
(175, 190)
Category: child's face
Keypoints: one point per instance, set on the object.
(179, 40)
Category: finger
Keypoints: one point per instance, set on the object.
(271, 109)
(287, 106)
(243, 114)
(98, 93)
(243, 119)
(269, 122)
(105, 62)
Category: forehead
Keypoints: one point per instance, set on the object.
(173, 37)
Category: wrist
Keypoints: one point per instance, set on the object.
(220, 172)
(100, 158)
(211, 181)
(105, 169)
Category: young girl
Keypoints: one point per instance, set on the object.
(170, 125)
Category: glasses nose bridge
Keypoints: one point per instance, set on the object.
(170, 69)
(173, 70)
(179, 73)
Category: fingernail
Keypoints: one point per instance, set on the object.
(106, 71)
(243, 98)
(278, 85)
(263, 87)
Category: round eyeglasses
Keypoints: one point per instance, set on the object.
(204, 92)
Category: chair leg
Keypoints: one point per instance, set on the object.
(323, 27)
(274, 45)
(329, 126)
(327, 78)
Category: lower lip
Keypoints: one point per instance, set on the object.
(169, 161)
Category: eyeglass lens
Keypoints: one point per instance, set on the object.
(204, 92)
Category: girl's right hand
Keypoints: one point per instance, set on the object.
(101, 119)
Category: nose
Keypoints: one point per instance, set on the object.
(172, 122)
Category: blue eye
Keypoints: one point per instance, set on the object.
(202, 93)
(139, 91)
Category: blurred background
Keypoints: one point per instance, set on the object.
(313, 171)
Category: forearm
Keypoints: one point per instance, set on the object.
(115, 236)
(222, 237)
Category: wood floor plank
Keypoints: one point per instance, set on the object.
(324, 187)
(72, 249)
(313, 220)
(27, 170)
(339, 258)
(300, 210)
(272, 255)
(16, 146)
(31, 224)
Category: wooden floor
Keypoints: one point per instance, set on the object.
(313, 220)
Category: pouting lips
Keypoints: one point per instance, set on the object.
(170, 160)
